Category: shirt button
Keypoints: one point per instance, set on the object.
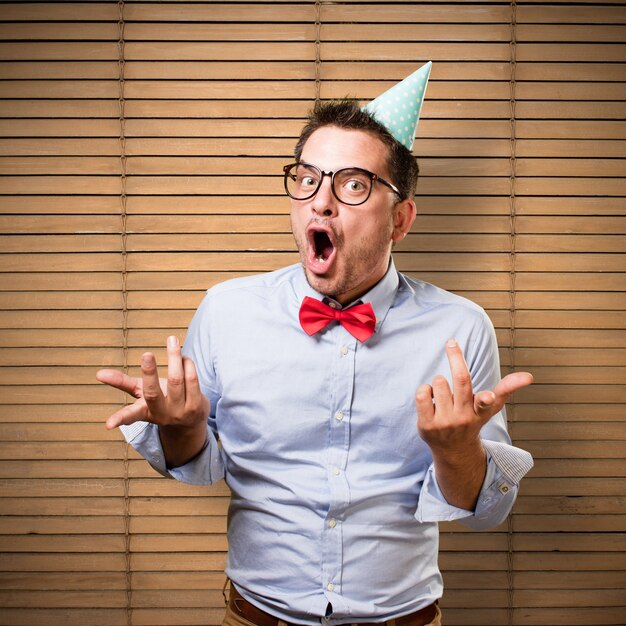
(330, 586)
(338, 416)
(332, 305)
(336, 471)
(332, 523)
(344, 350)
(504, 488)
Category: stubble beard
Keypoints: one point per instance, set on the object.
(357, 268)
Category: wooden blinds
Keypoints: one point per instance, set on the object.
(141, 153)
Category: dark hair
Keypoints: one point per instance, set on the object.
(402, 165)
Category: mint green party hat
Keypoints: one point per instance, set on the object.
(398, 109)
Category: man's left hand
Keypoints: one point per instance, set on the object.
(450, 420)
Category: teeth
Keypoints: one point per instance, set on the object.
(320, 258)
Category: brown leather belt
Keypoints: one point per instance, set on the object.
(255, 615)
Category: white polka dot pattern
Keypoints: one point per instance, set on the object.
(398, 109)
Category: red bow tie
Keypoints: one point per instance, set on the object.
(358, 320)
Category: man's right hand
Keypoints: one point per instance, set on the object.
(175, 404)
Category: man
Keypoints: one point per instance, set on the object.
(340, 456)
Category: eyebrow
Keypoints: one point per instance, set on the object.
(343, 167)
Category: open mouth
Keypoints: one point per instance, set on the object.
(323, 245)
(321, 250)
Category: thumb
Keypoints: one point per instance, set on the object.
(512, 383)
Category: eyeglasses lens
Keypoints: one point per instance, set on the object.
(302, 181)
(352, 186)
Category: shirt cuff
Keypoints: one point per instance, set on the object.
(506, 465)
(205, 468)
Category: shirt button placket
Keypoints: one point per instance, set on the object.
(343, 381)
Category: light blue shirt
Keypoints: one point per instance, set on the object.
(335, 504)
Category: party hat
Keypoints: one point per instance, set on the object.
(398, 109)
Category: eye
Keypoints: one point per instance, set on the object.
(306, 178)
(308, 181)
(355, 186)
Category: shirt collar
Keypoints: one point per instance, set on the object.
(381, 296)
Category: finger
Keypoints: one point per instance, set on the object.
(130, 414)
(461, 379)
(488, 403)
(485, 404)
(194, 398)
(442, 394)
(151, 388)
(512, 383)
(424, 404)
(175, 375)
(121, 381)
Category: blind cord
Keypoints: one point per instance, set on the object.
(512, 288)
(124, 277)
(318, 50)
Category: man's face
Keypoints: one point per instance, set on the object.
(345, 249)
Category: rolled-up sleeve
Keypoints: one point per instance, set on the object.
(506, 465)
(205, 468)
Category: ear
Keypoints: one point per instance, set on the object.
(403, 217)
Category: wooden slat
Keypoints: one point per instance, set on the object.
(553, 90)
(605, 52)
(570, 356)
(557, 580)
(60, 432)
(573, 110)
(416, 32)
(69, 69)
(448, 90)
(57, 469)
(59, 108)
(62, 543)
(564, 147)
(218, 12)
(64, 51)
(62, 581)
(339, 51)
(54, 127)
(228, 31)
(555, 167)
(58, 413)
(569, 205)
(570, 300)
(172, 524)
(396, 70)
(86, 31)
(571, 243)
(56, 599)
(578, 411)
(206, 51)
(571, 15)
(57, 11)
(589, 130)
(380, 13)
(69, 617)
(570, 32)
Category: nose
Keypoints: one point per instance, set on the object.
(324, 202)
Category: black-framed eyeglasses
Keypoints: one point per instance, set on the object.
(350, 185)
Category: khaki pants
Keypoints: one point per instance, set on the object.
(232, 619)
